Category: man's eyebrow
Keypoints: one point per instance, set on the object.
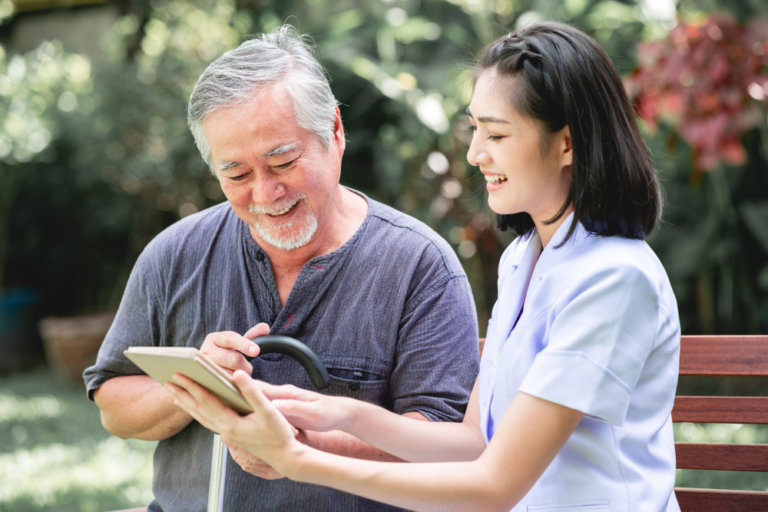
(281, 150)
(488, 119)
(225, 166)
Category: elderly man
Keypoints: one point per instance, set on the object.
(378, 296)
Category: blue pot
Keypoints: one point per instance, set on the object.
(20, 343)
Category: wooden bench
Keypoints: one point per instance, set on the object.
(718, 357)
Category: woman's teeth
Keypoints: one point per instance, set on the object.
(495, 179)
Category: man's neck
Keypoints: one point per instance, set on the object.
(345, 218)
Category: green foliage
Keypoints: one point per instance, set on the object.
(34, 89)
(119, 164)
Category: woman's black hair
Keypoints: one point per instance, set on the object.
(562, 77)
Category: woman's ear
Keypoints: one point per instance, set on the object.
(566, 146)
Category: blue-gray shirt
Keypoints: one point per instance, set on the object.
(390, 314)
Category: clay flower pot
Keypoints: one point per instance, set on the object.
(71, 343)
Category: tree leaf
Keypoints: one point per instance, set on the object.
(756, 217)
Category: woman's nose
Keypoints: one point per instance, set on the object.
(476, 155)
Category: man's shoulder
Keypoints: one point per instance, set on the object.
(393, 222)
(198, 230)
(412, 237)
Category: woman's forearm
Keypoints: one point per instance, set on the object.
(407, 436)
(457, 486)
(412, 440)
(528, 437)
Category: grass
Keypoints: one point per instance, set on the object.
(55, 455)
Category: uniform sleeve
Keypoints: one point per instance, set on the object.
(437, 356)
(136, 323)
(600, 337)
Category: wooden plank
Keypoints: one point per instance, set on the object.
(722, 356)
(721, 409)
(721, 456)
(733, 355)
(715, 500)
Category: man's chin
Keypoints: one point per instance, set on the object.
(285, 241)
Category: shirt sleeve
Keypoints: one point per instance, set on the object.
(600, 337)
(136, 323)
(437, 356)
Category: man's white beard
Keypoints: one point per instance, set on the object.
(286, 236)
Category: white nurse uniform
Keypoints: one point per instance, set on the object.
(596, 329)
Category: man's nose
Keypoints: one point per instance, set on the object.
(267, 188)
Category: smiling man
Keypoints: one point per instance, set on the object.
(377, 295)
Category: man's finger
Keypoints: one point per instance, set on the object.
(260, 329)
(234, 341)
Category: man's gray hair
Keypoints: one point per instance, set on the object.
(256, 65)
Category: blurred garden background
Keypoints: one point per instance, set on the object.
(95, 159)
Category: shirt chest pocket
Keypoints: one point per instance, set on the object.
(358, 378)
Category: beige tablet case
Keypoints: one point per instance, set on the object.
(161, 363)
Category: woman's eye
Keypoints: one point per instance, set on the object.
(495, 137)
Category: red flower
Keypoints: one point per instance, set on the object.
(707, 79)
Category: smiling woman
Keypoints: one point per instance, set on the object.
(527, 169)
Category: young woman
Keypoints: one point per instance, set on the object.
(571, 409)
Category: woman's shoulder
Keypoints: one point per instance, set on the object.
(629, 263)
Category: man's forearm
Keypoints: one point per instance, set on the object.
(138, 407)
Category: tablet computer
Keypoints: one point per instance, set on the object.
(161, 363)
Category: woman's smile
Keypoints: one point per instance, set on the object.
(494, 181)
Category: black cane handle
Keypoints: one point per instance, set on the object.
(273, 343)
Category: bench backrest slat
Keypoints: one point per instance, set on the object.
(715, 500)
(724, 355)
(716, 357)
(721, 409)
(722, 456)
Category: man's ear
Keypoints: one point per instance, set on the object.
(338, 133)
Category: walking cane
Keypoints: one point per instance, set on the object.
(268, 344)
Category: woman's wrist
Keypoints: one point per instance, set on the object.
(357, 416)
